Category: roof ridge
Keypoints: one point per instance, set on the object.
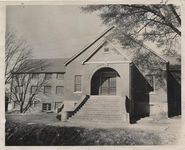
(89, 45)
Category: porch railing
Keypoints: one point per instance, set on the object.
(78, 106)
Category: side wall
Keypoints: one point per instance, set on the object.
(174, 96)
(53, 99)
(139, 94)
(87, 71)
(148, 100)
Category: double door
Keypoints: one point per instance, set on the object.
(108, 83)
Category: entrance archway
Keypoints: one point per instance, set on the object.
(104, 82)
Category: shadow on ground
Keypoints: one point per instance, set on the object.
(19, 134)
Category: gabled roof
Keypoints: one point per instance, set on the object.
(101, 36)
(53, 65)
(101, 45)
(88, 46)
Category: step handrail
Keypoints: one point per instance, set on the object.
(79, 105)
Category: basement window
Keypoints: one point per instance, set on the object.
(46, 106)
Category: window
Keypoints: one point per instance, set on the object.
(106, 50)
(77, 86)
(19, 89)
(59, 90)
(20, 79)
(33, 89)
(60, 76)
(20, 76)
(34, 103)
(48, 76)
(47, 90)
(151, 80)
(46, 106)
(57, 104)
(35, 75)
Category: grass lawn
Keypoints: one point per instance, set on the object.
(40, 118)
(45, 129)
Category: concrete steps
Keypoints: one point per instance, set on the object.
(100, 109)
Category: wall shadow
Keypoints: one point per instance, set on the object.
(174, 93)
(96, 82)
(139, 90)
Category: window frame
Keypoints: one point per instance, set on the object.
(18, 91)
(60, 94)
(45, 89)
(57, 76)
(106, 50)
(46, 77)
(37, 77)
(56, 104)
(153, 85)
(77, 84)
(31, 89)
(48, 107)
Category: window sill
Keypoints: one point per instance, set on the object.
(153, 93)
(77, 92)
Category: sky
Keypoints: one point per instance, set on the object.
(53, 31)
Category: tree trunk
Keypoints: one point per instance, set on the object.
(21, 108)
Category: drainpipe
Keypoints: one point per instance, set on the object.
(131, 109)
(167, 86)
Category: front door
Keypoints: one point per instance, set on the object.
(108, 83)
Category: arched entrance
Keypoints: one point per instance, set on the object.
(103, 82)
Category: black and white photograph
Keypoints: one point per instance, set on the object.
(93, 74)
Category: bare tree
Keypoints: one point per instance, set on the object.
(25, 89)
(18, 66)
(17, 51)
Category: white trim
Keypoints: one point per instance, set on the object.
(108, 62)
(89, 45)
(77, 92)
(97, 49)
(94, 51)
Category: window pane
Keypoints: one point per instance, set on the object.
(77, 87)
(59, 90)
(60, 76)
(49, 106)
(77, 83)
(33, 89)
(18, 89)
(48, 76)
(47, 90)
(57, 104)
(35, 75)
(78, 79)
(46, 106)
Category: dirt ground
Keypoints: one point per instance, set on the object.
(168, 130)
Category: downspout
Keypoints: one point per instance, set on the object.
(131, 109)
(167, 86)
